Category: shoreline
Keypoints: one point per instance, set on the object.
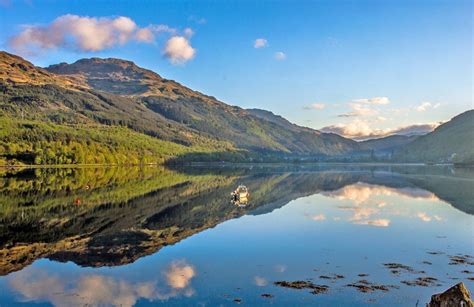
(197, 163)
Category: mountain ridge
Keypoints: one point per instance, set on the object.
(179, 103)
(92, 94)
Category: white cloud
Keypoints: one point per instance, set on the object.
(178, 50)
(362, 129)
(315, 106)
(355, 129)
(423, 106)
(84, 33)
(260, 43)
(373, 100)
(162, 29)
(280, 56)
(188, 32)
(359, 110)
(416, 129)
(145, 35)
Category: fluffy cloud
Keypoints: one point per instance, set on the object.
(424, 106)
(315, 106)
(82, 33)
(361, 130)
(415, 129)
(178, 50)
(76, 32)
(145, 35)
(280, 56)
(355, 129)
(359, 110)
(260, 43)
(374, 100)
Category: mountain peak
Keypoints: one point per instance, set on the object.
(93, 65)
(120, 77)
(15, 69)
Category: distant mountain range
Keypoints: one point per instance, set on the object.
(111, 111)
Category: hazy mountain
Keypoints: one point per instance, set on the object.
(452, 141)
(388, 143)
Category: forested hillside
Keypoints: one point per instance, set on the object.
(68, 113)
(110, 111)
(453, 141)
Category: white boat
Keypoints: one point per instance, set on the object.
(240, 196)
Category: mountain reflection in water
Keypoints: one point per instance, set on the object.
(113, 216)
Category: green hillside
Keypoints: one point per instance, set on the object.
(37, 142)
(198, 112)
(388, 143)
(451, 142)
(110, 111)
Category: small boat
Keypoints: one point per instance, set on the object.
(240, 196)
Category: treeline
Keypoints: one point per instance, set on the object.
(34, 142)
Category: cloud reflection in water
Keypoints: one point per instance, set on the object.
(367, 207)
(95, 289)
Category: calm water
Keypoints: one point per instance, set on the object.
(147, 236)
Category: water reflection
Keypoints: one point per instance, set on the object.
(125, 214)
(371, 204)
(361, 193)
(98, 290)
(240, 196)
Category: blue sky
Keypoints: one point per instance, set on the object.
(358, 68)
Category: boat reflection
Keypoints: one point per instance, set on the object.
(240, 196)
